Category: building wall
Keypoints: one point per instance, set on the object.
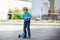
(57, 5)
(38, 7)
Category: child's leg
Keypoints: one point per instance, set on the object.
(24, 29)
(28, 28)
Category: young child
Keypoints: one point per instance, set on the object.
(26, 16)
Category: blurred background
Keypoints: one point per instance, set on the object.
(12, 9)
(46, 9)
(41, 10)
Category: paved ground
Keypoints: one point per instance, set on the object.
(14, 27)
(37, 34)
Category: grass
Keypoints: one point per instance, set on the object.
(34, 21)
(46, 21)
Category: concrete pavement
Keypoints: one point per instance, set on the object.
(14, 27)
(37, 34)
(38, 31)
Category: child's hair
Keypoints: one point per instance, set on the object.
(25, 8)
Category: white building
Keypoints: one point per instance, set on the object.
(40, 7)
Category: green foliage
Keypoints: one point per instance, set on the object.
(11, 11)
(17, 13)
(17, 16)
(17, 10)
(10, 16)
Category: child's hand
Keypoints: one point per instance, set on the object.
(27, 17)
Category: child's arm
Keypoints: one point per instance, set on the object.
(30, 15)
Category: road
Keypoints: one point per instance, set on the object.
(38, 33)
